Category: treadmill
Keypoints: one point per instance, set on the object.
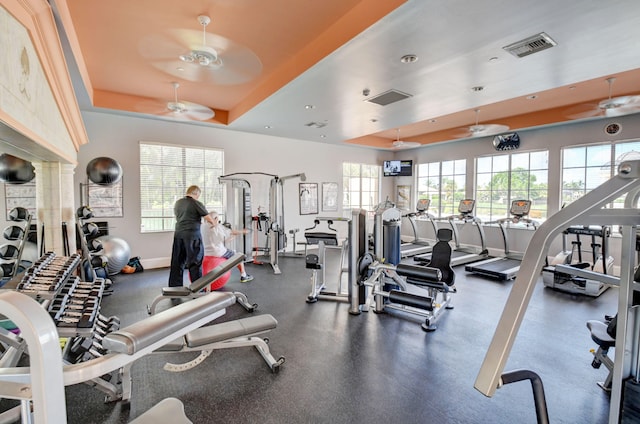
(506, 267)
(418, 246)
(462, 255)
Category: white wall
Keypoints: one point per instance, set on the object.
(118, 137)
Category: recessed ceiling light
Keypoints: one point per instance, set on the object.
(323, 136)
(409, 58)
(309, 106)
(433, 121)
(477, 88)
(267, 127)
(493, 59)
(373, 120)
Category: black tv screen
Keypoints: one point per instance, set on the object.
(397, 168)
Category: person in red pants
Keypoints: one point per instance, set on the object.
(214, 237)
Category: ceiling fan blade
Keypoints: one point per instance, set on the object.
(585, 110)
(402, 145)
(620, 106)
(236, 65)
(192, 112)
(479, 130)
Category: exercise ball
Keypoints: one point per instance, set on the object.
(117, 252)
(84, 212)
(208, 264)
(15, 170)
(104, 171)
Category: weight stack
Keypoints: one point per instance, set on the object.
(630, 403)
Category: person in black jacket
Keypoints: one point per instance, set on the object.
(188, 251)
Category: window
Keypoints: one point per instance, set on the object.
(165, 173)
(586, 167)
(500, 179)
(444, 184)
(361, 186)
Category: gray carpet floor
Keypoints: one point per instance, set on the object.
(374, 368)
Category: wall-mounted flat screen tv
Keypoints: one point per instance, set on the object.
(397, 168)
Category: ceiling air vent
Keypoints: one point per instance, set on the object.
(530, 45)
(389, 97)
(316, 124)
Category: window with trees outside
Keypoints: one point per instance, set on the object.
(586, 167)
(360, 186)
(500, 179)
(443, 183)
(165, 173)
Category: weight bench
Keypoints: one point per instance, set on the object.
(183, 328)
(237, 333)
(197, 288)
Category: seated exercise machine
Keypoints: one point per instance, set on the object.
(436, 282)
(592, 207)
(417, 245)
(603, 333)
(561, 274)
(505, 267)
(462, 255)
(351, 249)
(316, 262)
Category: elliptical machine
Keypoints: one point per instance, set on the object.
(562, 272)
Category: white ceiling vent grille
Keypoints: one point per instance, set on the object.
(530, 45)
(389, 97)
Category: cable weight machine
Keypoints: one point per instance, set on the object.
(240, 206)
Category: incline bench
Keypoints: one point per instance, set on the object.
(197, 288)
(183, 325)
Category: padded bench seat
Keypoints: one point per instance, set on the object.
(222, 332)
(144, 333)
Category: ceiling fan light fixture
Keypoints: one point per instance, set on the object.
(205, 56)
(176, 107)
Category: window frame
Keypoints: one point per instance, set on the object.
(539, 208)
(167, 170)
(438, 208)
(367, 176)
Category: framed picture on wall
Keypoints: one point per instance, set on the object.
(404, 197)
(329, 197)
(105, 200)
(308, 194)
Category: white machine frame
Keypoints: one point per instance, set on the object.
(588, 209)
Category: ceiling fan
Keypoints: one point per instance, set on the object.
(398, 144)
(177, 109)
(611, 106)
(201, 56)
(481, 130)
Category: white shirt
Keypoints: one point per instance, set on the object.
(213, 238)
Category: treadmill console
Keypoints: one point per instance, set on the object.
(423, 205)
(466, 206)
(520, 208)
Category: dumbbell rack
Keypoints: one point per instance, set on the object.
(74, 306)
(16, 234)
